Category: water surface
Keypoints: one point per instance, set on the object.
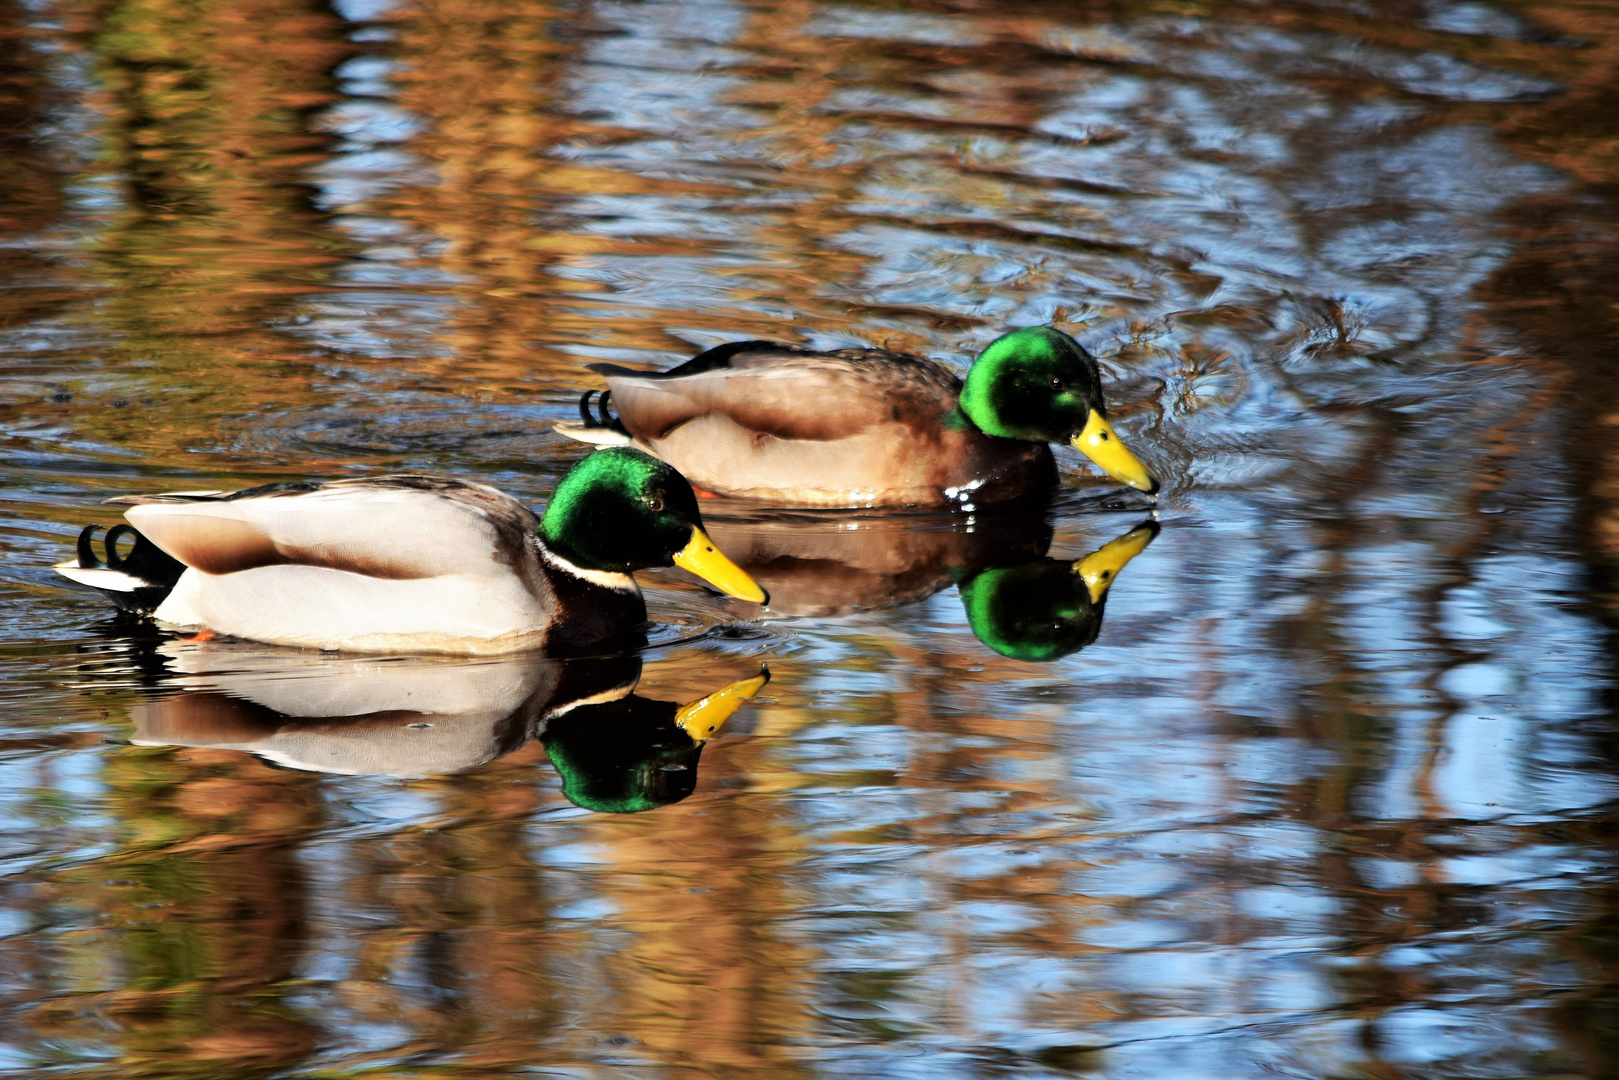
(1331, 793)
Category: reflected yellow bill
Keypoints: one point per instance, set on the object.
(702, 718)
(1102, 566)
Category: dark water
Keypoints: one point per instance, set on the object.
(1332, 793)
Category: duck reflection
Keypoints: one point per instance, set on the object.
(1048, 608)
(1019, 602)
(414, 717)
(837, 564)
(634, 754)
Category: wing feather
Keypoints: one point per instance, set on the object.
(786, 395)
(398, 527)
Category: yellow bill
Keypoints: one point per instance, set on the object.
(1101, 566)
(1099, 442)
(705, 560)
(702, 718)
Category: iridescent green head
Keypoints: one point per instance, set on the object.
(620, 510)
(1035, 384)
(1038, 384)
(1048, 608)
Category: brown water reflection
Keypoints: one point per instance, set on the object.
(1331, 793)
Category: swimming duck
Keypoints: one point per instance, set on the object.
(412, 563)
(867, 427)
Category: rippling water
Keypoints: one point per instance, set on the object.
(1331, 793)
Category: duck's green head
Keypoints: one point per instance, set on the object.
(1040, 385)
(620, 510)
(1048, 608)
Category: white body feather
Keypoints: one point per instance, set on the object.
(321, 608)
(593, 436)
(98, 577)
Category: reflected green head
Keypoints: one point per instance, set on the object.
(622, 757)
(620, 510)
(1035, 384)
(1038, 611)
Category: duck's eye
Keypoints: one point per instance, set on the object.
(1056, 383)
(654, 504)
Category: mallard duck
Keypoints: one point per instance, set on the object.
(413, 563)
(867, 427)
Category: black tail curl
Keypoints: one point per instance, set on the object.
(603, 418)
(146, 562)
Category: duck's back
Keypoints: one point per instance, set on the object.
(405, 561)
(849, 427)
